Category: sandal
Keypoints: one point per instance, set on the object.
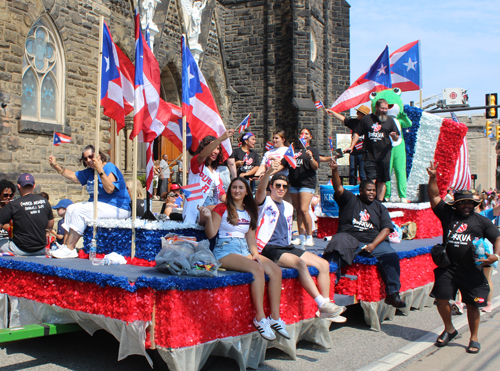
(445, 338)
(473, 344)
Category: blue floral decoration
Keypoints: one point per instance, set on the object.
(402, 255)
(410, 135)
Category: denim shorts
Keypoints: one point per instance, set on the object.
(301, 190)
(231, 245)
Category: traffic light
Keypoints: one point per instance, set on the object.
(497, 132)
(489, 129)
(491, 100)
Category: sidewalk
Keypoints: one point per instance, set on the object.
(454, 357)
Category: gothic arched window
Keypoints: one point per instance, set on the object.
(43, 74)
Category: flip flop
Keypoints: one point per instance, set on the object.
(473, 344)
(445, 338)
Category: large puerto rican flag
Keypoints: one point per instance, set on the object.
(406, 67)
(462, 177)
(117, 81)
(173, 126)
(198, 105)
(376, 79)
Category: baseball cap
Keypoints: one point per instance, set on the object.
(26, 179)
(64, 203)
(174, 187)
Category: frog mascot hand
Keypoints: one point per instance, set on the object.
(398, 153)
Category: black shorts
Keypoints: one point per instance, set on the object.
(274, 252)
(473, 286)
(378, 170)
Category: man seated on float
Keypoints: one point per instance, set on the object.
(367, 220)
(274, 236)
(234, 223)
(113, 200)
(205, 186)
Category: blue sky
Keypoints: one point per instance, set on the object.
(460, 42)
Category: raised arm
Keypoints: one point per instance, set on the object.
(261, 189)
(68, 174)
(212, 146)
(338, 116)
(433, 190)
(336, 182)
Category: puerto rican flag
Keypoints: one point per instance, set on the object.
(290, 157)
(377, 78)
(269, 145)
(173, 128)
(462, 177)
(198, 105)
(319, 104)
(364, 216)
(245, 124)
(61, 138)
(193, 191)
(117, 81)
(406, 67)
(330, 142)
(303, 141)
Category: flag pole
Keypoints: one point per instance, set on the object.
(184, 151)
(420, 98)
(135, 150)
(97, 124)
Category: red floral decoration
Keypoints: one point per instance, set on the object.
(447, 151)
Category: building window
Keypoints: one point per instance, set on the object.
(43, 76)
(313, 46)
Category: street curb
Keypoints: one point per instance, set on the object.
(417, 346)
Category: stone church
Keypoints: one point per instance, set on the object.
(271, 58)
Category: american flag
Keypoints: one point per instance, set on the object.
(462, 178)
(269, 145)
(319, 104)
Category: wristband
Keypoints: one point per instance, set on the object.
(101, 173)
(498, 257)
(62, 170)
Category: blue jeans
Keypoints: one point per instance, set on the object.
(387, 263)
(356, 161)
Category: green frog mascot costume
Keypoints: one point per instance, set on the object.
(398, 153)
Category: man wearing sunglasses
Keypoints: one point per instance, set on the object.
(31, 215)
(274, 237)
(461, 226)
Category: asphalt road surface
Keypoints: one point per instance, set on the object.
(354, 346)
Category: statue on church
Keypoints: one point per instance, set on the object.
(193, 10)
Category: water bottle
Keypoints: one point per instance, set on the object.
(480, 250)
(93, 252)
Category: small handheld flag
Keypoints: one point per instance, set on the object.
(303, 141)
(269, 145)
(319, 104)
(330, 141)
(61, 138)
(245, 124)
(192, 192)
(289, 157)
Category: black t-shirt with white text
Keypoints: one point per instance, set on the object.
(364, 221)
(30, 215)
(353, 124)
(303, 175)
(250, 158)
(460, 248)
(377, 142)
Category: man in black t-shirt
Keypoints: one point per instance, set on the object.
(461, 227)
(367, 220)
(355, 154)
(31, 216)
(378, 129)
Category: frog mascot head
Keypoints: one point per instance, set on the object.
(398, 153)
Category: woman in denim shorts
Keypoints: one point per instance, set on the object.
(234, 223)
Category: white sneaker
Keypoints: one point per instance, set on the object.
(64, 253)
(330, 310)
(309, 242)
(264, 329)
(297, 241)
(279, 327)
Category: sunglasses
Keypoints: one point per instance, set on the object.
(8, 195)
(88, 157)
(279, 185)
(468, 202)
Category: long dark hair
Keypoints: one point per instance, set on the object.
(205, 142)
(249, 205)
(103, 157)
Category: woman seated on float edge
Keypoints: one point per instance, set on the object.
(204, 178)
(113, 198)
(235, 222)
